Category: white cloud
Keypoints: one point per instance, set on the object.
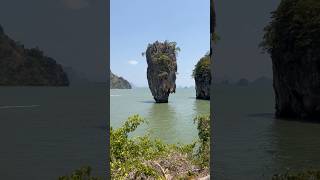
(133, 62)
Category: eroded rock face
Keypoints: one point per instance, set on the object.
(202, 77)
(162, 68)
(293, 41)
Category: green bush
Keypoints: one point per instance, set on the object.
(304, 175)
(203, 152)
(129, 157)
(83, 173)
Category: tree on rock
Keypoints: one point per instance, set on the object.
(162, 69)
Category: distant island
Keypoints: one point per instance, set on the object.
(27, 67)
(117, 82)
(260, 81)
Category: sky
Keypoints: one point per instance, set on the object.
(136, 23)
(73, 32)
(240, 28)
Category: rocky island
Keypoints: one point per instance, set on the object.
(162, 69)
(202, 77)
(292, 39)
(117, 82)
(27, 67)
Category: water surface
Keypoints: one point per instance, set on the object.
(251, 144)
(172, 122)
(47, 132)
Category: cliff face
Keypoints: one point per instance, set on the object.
(25, 67)
(202, 77)
(162, 68)
(293, 41)
(118, 82)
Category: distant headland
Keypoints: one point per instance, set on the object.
(27, 67)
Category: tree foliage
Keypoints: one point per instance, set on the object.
(83, 173)
(203, 67)
(295, 27)
(129, 157)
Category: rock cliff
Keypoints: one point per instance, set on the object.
(162, 68)
(292, 39)
(27, 67)
(118, 82)
(202, 77)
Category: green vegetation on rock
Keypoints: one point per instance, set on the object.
(202, 77)
(293, 42)
(162, 69)
(144, 157)
(295, 26)
(203, 67)
(118, 82)
(27, 67)
(303, 175)
(83, 173)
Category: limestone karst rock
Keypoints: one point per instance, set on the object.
(292, 39)
(27, 67)
(202, 77)
(162, 69)
(117, 82)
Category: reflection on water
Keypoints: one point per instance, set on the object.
(297, 144)
(172, 122)
(251, 144)
(162, 120)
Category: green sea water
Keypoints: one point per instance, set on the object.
(171, 122)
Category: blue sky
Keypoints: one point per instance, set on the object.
(135, 23)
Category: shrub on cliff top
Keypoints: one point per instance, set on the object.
(295, 27)
(203, 66)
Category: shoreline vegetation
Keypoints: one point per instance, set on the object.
(146, 158)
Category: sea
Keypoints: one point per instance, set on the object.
(171, 122)
(250, 143)
(47, 132)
